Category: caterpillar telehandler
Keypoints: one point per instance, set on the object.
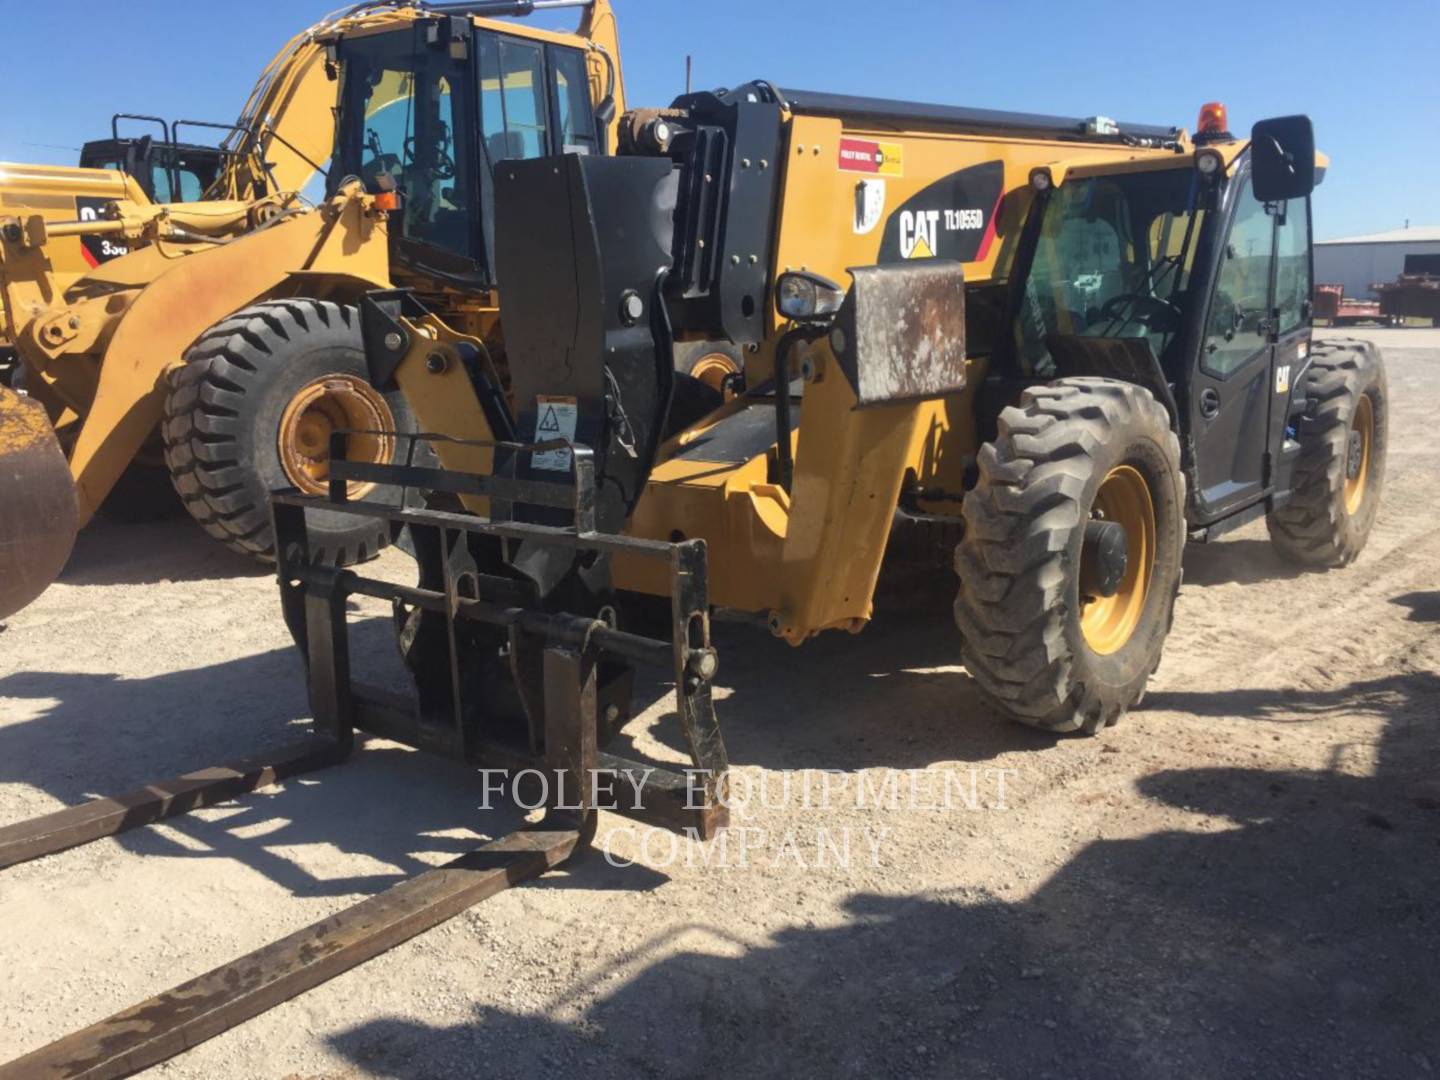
(1065, 348)
(216, 355)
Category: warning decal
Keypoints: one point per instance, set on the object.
(868, 156)
(555, 418)
(869, 205)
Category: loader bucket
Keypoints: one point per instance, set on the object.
(38, 515)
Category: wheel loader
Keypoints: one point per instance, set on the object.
(215, 357)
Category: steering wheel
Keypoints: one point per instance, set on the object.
(443, 166)
(1150, 310)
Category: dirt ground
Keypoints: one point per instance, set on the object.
(1241, 879)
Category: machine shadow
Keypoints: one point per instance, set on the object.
(175, 549)
(402, 811)
(838, 703)
(1298, 941)
(1424, 606)
(893, 696)
(1237, 562)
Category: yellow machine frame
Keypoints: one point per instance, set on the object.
(808, 559)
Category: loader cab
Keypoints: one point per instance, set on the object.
(429, 111)
(1193, 279)
(167, 170)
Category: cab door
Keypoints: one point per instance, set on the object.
(1230, 399)
(1293, 292)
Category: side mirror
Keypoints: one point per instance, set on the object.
(1282, 158)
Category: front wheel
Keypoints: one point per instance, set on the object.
(1070, 561)
(1340, 471)
(252, 410)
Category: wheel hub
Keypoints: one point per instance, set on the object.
(1103, 558)
(1117, 560)
(1357, 457)
(318, 410)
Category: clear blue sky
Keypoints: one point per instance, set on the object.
(1369, 77)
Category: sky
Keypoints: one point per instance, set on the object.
(1366, 74)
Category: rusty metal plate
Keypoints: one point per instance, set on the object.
(901, 334)
(38, 514)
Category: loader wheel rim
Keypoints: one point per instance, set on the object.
(712, 369)
(320, 408)
(1357, 460)
(1109, 622)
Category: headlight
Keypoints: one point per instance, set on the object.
(1210, 163)
(805, 297)
(1040, 179)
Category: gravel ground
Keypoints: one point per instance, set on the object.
(1241, 879)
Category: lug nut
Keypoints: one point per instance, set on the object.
(704, 663)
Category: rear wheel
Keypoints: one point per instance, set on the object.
(252, 410)
(1071, 556)
(1336, 486)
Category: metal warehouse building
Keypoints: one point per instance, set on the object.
(1358, 262)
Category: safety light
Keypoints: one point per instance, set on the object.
(1210, 163)
(1040, 178)
(1214, 122)
(805, 297)
(387, 201)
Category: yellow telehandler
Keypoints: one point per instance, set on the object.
(220, 349)
(1066, 347)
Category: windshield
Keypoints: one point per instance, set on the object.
(404, 105)
(1113, 258)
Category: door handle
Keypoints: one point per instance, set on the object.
(1209, 403)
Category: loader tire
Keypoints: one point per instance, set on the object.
(1041, 641)
(708, 361)
(1340, 472)
(247, 387)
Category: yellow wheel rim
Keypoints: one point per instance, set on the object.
(1357, 463)
(712, 369)
(329, 404)
(1108, 622)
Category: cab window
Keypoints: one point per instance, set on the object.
(1113, 258)
(191, 189)
(1238, 326)
(574, 110)
(1292, 266)
(411, 114)
(513, 113)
